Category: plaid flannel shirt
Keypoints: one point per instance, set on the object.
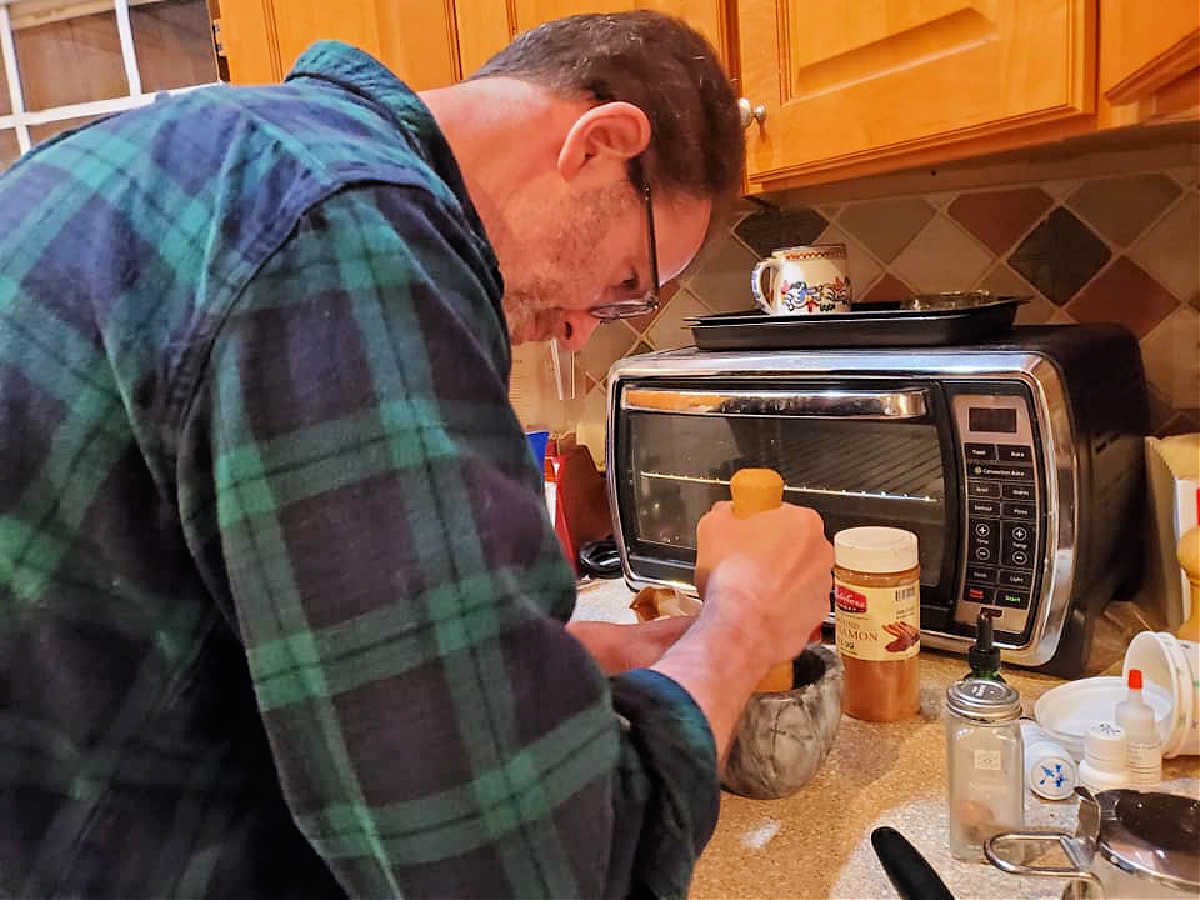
(281, 607)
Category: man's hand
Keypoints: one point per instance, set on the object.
(619, 648)
(765, 583)
(770, 574)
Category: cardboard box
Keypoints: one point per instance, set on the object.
(1173, 495)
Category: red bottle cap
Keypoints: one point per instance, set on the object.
(1135, 679)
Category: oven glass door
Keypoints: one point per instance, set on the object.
(871, 455)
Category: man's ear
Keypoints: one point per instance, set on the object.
(615, 131)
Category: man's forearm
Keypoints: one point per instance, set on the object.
(619, 648)
(719, 665)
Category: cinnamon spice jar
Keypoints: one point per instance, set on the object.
(877, 592)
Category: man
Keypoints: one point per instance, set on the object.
(283, 615)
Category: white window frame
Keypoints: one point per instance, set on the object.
(20, 118)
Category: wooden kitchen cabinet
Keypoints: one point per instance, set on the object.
(416, 39)
(428, 43)
(849, 87)
(1149, 61)
(486, 26)
(850, 84)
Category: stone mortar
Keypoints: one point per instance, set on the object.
(783, 736)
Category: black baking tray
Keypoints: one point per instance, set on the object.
(754, 330)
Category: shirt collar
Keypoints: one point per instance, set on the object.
(359, 72)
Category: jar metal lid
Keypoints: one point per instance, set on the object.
(983, 700)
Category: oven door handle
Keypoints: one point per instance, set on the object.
(831, 404)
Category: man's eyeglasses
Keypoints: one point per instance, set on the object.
(630, 309)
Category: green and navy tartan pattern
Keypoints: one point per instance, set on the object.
(282, 609)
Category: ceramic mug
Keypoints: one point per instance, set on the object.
(803, 281)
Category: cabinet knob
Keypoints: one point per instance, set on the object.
(751, 113)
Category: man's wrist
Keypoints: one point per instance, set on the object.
(738, 633)
(718, 663)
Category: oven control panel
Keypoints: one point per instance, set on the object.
(1003, 513)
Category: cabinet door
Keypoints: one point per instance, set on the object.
(1149, 59)
(485, 26)
(850, 80)
(416, 39)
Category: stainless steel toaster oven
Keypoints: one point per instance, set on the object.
(1017, 463)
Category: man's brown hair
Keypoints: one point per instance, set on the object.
(659, 64)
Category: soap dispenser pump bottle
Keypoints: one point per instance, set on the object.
(984, 655)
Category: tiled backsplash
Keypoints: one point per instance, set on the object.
(1120, 249)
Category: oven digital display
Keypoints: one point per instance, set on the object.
(1003, 421)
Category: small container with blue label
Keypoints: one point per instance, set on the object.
(1050, 771)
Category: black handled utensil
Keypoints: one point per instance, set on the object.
(600, 559)
(910, 874)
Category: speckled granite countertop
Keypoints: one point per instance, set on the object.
(816, 843)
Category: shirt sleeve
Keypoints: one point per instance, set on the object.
(372, 523)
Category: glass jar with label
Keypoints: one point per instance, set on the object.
(877, 618)
(986, 761)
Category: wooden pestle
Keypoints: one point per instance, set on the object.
(1188, 554)
(753, 491)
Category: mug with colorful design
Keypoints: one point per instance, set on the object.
(803, 281)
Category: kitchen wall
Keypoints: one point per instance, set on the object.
(1119, 241)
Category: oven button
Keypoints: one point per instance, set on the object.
(983, 489)
(1025, 511)
(984, 574)
(980, 451)
(983, 553)
(1019, 558)
(985, 508)
(1018, 536)
(1015, 453)
(1008, 471)
(1013, 578)
(977, 593)
(1017, 492)
(982, 529)
(1012, 599)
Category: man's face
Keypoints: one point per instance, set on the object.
(567, 250)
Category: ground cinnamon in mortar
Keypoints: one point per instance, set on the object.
(878, 604)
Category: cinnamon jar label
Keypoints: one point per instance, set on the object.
(877, 623)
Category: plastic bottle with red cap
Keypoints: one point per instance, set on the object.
(1136, 717)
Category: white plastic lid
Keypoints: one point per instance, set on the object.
(1106, 746)
(875, 548)
(1050, 770)
(1106, 758)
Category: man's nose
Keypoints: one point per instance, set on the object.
(577, 327)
